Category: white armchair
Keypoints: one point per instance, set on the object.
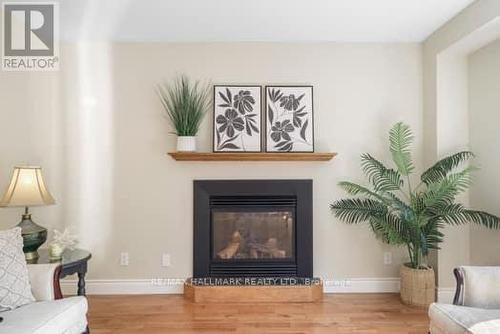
(476, 306)
(50, 314)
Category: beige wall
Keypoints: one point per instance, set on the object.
(97, 129)
(469, 20)
(440, 58)
(484, 105)
(28, 102)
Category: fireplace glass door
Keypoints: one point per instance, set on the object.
(253, 234)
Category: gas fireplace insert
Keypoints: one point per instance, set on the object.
(253, 228)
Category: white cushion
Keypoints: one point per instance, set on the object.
(15, 289)
(442, 322)
(481, 287)
(454, 319)
(62, 316)
(42, 280)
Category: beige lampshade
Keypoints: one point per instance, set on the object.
(27, 188)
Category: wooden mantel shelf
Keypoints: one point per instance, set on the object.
(209, 156)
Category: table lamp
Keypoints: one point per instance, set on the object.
(27, 189)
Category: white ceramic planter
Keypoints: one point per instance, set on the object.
(186, 143)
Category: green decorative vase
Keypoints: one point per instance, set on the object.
(33, 237)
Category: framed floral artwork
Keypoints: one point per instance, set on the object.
(237, 119)
(289, 119)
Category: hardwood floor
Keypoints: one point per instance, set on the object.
(338, 313)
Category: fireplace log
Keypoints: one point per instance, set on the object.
(230, 250)
(269, 249)
(272, 246)
(253, 253)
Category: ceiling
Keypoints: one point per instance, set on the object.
(256, 20)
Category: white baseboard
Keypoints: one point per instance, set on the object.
(122, 287)
(362, 285)
(445, 295)
(148, 286)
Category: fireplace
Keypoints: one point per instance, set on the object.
(252, 228)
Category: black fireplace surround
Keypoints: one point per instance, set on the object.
(253, 228)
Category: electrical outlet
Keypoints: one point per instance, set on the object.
(124, 259)
(165, 260)
(387, 258)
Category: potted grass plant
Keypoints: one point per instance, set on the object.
(185, 105)
(400, 213)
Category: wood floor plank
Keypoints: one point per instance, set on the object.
(337, 313)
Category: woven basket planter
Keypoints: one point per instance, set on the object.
(417, 286)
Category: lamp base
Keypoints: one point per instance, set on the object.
(31, 257)
(33, 237)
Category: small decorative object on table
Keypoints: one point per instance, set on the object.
(237, 119)
(186, 105)
(289, 119)
(26, 189)
(60, 243)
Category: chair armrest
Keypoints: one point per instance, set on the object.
(459, 292)
(478, 287)
(44, 280)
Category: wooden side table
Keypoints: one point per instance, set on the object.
(73, 262)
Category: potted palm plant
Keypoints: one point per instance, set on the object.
(411, 216)
(186, 105)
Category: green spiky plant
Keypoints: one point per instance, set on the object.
(185, 104)
(409, 216)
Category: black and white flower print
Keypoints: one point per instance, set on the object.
(289, 111)
(237, 118)
(280, 131)
(244, 101)
(230, 122)
(290, 102)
